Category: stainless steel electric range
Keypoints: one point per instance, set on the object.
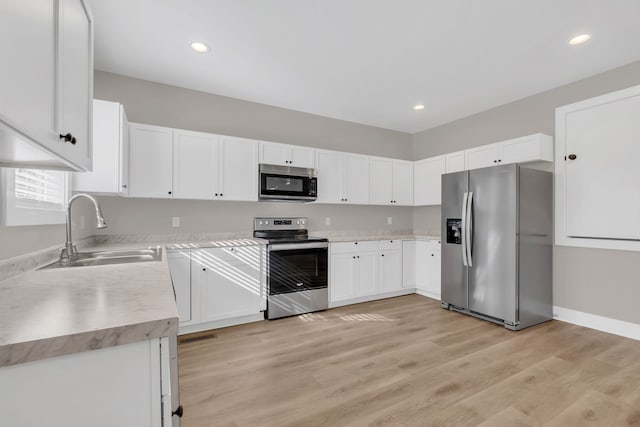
(297, 267)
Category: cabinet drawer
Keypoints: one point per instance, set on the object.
(356, 246)
(390, 244)
(234, 256)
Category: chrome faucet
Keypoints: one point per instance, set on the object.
(69, 249)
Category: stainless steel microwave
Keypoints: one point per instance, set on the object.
(287, 183)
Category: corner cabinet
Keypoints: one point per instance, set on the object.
(110, 174)
(45, 114)
(597, 172)
(391, 182)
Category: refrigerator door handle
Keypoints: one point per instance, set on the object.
(463, 230)
(469, 228)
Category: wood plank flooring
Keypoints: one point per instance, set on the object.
(406, 362)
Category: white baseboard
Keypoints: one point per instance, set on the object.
(400, 292)
(601, 323)
(189, 329)
(428, 294)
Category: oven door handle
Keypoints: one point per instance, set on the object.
(294, 246)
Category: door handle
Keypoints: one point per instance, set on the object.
(463, 230)
(469, 230)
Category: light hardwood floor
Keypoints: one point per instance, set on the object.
(406, 362)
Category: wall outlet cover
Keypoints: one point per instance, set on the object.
(175, 221)
(389, 220)
(327, 221)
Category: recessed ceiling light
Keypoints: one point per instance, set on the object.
(199, 47)
(582, 38)
(418, 107)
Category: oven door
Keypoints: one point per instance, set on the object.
(295, 267)
(282, 183)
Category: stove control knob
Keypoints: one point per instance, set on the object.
(298, 222)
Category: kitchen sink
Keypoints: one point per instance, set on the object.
(86, 259)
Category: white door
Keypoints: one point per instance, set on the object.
(427, 181)
(195, 165)
(381, 181)
(409, 264)
(229, 281)
(454, 162)
(367, 273)
(402, 183)
(482, 157)
(28, 85)
(302, 157)
(239, 174)
(330, 176)
(180, 268)
(75, 68)
(343, 276)
(602, 183)
(390, 278)
(356, 178)
(150, 161)
(272, 153)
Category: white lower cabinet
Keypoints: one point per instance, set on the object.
(124, 385)
(421, 267)
(364, 270)
(218, 287)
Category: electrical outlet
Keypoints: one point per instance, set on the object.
(327, 221)
(175, 221)
(389, 220)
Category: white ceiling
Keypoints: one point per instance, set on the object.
(367, 61)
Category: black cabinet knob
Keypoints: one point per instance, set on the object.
(572, 157)
(358, 256)
(382, 255)
(216, 194)
(356, 243)
(354, 257)
(124, 185)
(68, 138)
(432, 255)
(169, 192)
(178, 412)
(499, 161)
(204, 269)
(221, 194)
(495, 161)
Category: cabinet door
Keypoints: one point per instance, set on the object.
(75, 86)
(107, 149)
(330, 176)
(427, 181)
(273, 153)
(409, 264)
(302, 157)
(482, 157)
(527, 149)
(356, 178)
(229, 281)
(180, 268)
(150, 161)
(435, 282)
(239, 173)
(367, 273)
(124, 153)
(195, 165)
(390, 271)
(423, 265)
(602, 191)
(381, 182)
(402, 183)
(343, 276)
(454, 162)
(28, 85)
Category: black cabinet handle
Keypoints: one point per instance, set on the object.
(432, 255)
(216, 194)
(572, 157)
(169, 192)
(495, 161)
(178, 412)
(221, 194)
(499, 160)
(356, 243)
(382, 255)
(204, 269)
(68, 138)
(354, 257)
(358, 256)
(124, 185)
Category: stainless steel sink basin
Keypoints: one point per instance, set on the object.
(86, 259)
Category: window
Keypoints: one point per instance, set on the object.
(34, 196)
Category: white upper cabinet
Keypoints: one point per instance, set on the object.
(482, 157)
(427, 181)
(381, 190)
(195, 165)
(110, 173)
(454, 162)
(342, 177)
(238, 169)
(537, 147)
(273, 153)
(597, 172)
(402, 182)
(150, 161)
(47, 91)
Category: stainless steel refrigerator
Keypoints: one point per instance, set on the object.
(497, 244)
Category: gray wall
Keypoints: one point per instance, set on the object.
(602, 282)
(163, 105)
